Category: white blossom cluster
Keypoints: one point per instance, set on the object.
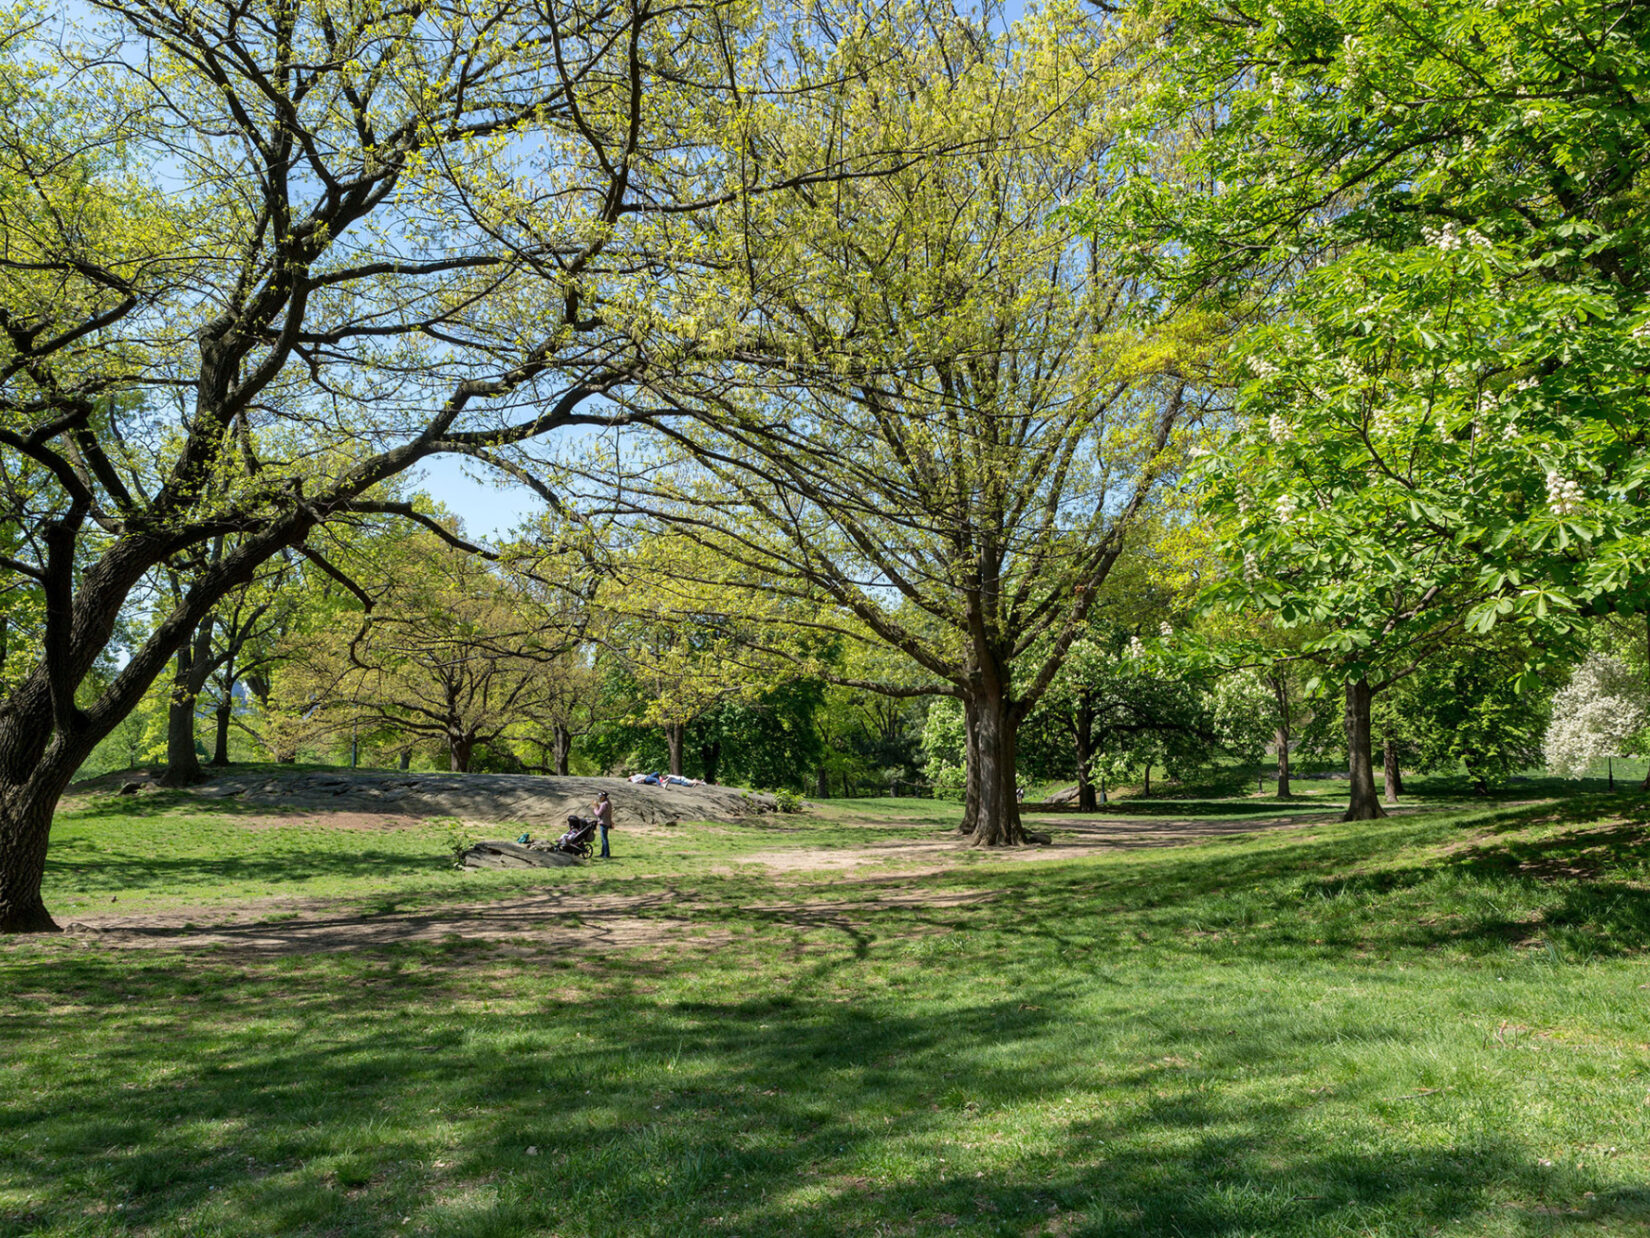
(1260, 367)
(1385, 423)
(1280, 429)
(1251, 567)
(1449, 238)
(1594, 715)
(1564, 495)
(1286, 508)
(1642, 331)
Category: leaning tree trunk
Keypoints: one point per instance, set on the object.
(998, 822)
(36, 766)
(25, 826)
(1363, 804)
(675, 733)
(563, 749)
(1086, 801)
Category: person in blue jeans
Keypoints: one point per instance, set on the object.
(603, 810)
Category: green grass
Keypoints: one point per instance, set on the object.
(1437, 1023)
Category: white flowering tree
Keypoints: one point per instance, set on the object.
(1599, 714)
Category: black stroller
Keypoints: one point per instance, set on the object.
(580, 830)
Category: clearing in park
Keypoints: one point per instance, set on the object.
(1182, 1018)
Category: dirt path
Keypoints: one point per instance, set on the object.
(1072, 839)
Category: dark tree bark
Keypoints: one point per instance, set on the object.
(183, 766)
(971, 771)
(1086, 799)
(824, 780)
(675, 733)
(710, 757)
(997, 723)
(1393, 775)
(1364, 803)
(460, 749)
(563, 748)
(1146, 786)
(405, 763)
(28, 819)
(221, 719)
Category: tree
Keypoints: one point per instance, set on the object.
(1599, 713)
(1440, 203)
(936, 436)
(450, 650)
(387, 233)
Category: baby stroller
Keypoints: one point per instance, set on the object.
(580, 830)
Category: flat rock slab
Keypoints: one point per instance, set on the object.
(531, 799)
(501, 854)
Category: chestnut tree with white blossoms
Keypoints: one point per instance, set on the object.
(1435, 212)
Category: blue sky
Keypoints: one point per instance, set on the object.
(487, 507)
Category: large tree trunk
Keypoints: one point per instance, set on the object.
(1146, 786)
(25, 827)
(824, 783)
(710, 756)
(563, 749)
(998, 821)
(406, 759)
(675, 733)
(35, 768)
(1363, 804)
(1086, 801)
(460, 748)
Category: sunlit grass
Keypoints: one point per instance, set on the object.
(1430, 1023)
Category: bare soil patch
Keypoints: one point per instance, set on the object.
(925, 856)
(549, 921)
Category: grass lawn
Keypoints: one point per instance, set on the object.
(1432, 1024)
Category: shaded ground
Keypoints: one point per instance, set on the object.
(562, 919)
(552, 919)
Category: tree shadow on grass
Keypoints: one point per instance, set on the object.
(81, 868)
(339, 1100)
